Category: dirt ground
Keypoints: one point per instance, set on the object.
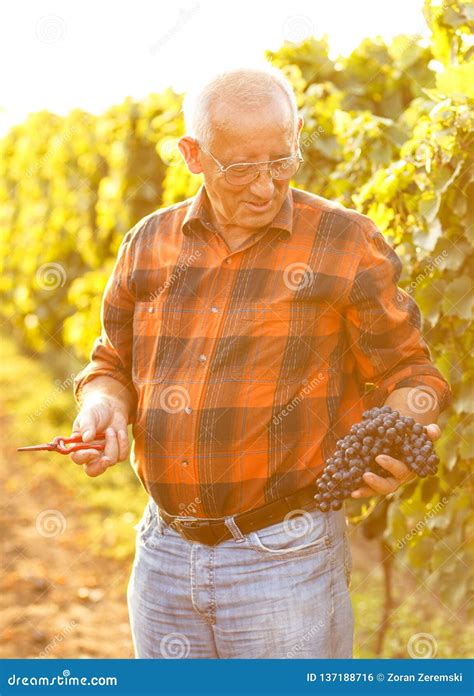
(56, 599)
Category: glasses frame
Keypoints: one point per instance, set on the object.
(224, 169)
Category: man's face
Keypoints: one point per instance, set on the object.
(265, 133)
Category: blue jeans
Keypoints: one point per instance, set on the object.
(280, 592)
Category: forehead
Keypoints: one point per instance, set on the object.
(260, 132)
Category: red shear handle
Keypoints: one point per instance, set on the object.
(61, 443)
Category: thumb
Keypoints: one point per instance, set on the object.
(92, 419)
(433, 431)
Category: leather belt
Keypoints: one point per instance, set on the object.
(213, 531)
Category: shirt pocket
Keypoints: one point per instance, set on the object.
(271, 343)
(154, 341)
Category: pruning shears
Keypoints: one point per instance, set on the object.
(65, 445)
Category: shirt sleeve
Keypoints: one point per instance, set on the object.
(111, 355)
(383, 324)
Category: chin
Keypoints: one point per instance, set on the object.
(261, 219)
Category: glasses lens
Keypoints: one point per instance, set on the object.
(241, 174)
(284, 169)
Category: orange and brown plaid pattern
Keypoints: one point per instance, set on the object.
(247, 366)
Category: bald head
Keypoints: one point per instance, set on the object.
(229, 98)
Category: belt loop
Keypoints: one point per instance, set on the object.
(231, 525)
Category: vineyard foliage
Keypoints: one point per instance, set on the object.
(388, 130)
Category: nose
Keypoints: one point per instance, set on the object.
(263, 186)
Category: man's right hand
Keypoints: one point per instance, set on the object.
(101, 414)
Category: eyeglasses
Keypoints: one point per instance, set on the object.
(243, 173)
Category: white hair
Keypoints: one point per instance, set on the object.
(247, 87)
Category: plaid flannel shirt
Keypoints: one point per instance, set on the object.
(245, 367)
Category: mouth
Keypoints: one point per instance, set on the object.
(259, 207)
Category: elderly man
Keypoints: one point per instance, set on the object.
(239, 329)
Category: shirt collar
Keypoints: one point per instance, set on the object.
(198, 213)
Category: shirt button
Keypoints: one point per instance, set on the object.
(214, 309)
(202, 358)
(184, 463)
(150, 309)
(188, 409)
(228, 261)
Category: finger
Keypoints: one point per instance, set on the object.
(123, 444)
(88, 425)
(96, 468)
(111, 448)
(398, 469)
(363, 492)
(76, 429)
(381, 486)
(85, 456)
(433, 431)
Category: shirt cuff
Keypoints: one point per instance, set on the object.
(413, 376)
(94, 370)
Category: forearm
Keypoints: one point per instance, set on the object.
(112, 389)
(414, 402)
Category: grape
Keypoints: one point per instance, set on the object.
(381, 431)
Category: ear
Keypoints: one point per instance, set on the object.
(191, 152)
(299, 126)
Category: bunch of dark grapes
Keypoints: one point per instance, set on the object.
(382, 431)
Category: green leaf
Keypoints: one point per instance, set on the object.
(457, 81)
(445, 176)
(464, 401)
(466, 448)
(459, 298)
(428, 238)
(446, 448)
(450, 256)
(419, 554)
(396, 523)
(429, 298)
(428, 205)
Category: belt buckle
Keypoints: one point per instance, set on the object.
(182, 523)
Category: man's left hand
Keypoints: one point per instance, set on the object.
(400, 472)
